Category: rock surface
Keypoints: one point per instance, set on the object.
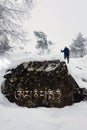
(46, 83)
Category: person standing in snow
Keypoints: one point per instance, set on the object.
(66, 52)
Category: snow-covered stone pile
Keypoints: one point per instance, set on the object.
(42, 83)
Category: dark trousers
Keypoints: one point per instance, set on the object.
(66, 57)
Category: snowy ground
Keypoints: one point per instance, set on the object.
(72, 117)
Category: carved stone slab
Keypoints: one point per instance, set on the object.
(41, 83)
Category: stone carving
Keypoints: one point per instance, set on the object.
(46, 83)
(49, 95)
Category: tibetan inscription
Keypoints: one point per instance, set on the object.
(39, 97)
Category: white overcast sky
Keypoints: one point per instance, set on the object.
(61, 20)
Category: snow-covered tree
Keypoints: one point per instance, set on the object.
(12, 15)
(42, 42)
(4, 44)
(77, 47)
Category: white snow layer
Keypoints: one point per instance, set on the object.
(72, 117)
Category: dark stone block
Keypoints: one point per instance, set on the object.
(45, 83)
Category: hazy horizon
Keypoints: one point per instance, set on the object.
(61, 20)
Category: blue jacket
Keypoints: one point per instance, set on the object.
(66, 52)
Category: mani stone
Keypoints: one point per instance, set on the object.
(42, 83)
